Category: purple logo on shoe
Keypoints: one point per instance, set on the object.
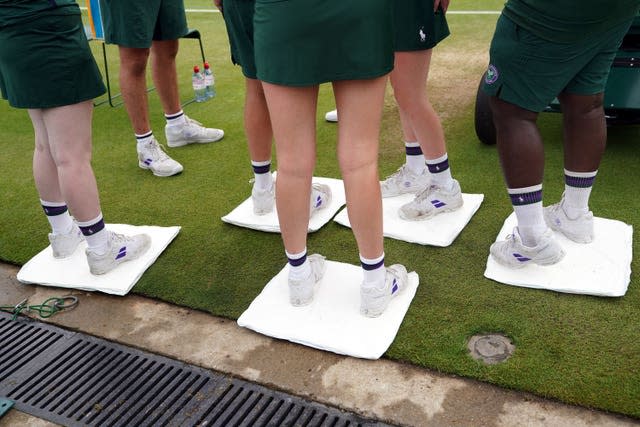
(318, 202)
(521, 258)
(394, 287)
(437, 203)
(492, 75)
(122, 252)
(147, 161)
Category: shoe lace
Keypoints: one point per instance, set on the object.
(157, 150)
(426, 193)
(194, 127)
(118, 238)
(192, 121)
(397, 176)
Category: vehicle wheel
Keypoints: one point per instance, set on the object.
(485, 129)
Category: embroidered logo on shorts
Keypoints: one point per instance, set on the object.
(492, 75)
(423, 36)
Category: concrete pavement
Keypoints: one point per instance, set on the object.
(396, 393)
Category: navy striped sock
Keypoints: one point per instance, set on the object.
(374, 271)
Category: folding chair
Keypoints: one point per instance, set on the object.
(95, 31)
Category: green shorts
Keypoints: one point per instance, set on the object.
(47, 63)
(137, 23)
(417, 27)
(308, 42)
(529, 72)
(238, 17)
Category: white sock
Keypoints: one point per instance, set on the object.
(299, 266)
(414, 157)
(374, 272)
(262, 174)
(96, 235)
(58, 216)
(577, 190)
(144, 138)
(527, 204)
(440, 172)
(176, 119)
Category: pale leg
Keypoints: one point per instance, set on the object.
(62, 158)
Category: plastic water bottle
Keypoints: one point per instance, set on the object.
(209, 81)
(197, 80)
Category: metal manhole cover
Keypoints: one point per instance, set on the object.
(490, 348)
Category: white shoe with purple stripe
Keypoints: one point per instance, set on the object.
(64, 245)
(513, 253)
(320, 197)
(374, 301)
(432, 201)
(301, 291)
(191, 132)
(579, 229)
(151, 156)
(121, 248)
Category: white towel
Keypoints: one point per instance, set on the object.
(332, 321)
(601, 268)
(440, 230)
(243, 215)
(73, 272)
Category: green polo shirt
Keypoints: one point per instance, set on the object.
(19, 11)
(568, 21)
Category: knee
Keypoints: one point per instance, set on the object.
(357, 164)
(300, 167)
(134, 61)
(165, 50)
(506, 114)
(405, 97)
(582, 106)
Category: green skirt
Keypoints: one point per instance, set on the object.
(417, 27)
(308, 42)
(47, 63)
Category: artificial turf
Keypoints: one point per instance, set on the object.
(578, 349)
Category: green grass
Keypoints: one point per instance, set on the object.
(577, 349)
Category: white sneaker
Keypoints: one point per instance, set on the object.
(512, 253)
(301, 291)
(121, 248)
(331, 116)
(64, 245)
(403, 181)
(191, 132)
(263, 199)
(432, 201)
(320, 197)
(151, 156)
(374, 301)
(580, 229)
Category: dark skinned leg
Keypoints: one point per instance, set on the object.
(585, 131)
(519, 144)
(585, 137)
(522, 158)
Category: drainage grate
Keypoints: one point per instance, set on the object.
(75, 379)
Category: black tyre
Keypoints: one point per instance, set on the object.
(485, 129)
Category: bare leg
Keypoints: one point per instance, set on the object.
(63, 156)
(417, 116)
(522, 158)
(295, 132)
(519, 144)
(256, 122)
(45, 172)
(360, 105)
(164, 73)
(585, 131)
(133, 84)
